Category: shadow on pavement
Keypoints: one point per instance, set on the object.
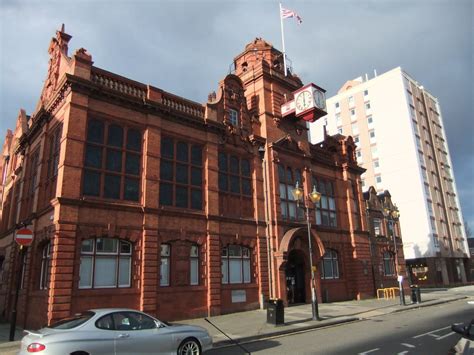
(251, 347)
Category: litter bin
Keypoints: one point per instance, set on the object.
(415, 294)
(275, 312)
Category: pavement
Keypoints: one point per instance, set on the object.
(248, 326)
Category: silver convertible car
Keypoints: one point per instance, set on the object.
(115, 332)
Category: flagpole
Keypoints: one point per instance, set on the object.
(283, 41)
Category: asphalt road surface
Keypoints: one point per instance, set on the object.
(424, 331)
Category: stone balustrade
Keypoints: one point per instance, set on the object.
(178, 104)
(118, 85)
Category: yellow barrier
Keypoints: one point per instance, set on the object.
(388, 293)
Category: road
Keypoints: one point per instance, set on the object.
(419, 331)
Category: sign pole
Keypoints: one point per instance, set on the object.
(17, 291)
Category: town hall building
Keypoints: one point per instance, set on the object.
(143, 199)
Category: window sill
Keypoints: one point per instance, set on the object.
(184, 288)
(107, 291)
(332, 280)
(238, 286)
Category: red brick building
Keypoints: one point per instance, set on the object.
(388, 260)
(140, 198)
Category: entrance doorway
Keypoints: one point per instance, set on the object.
(295, 277)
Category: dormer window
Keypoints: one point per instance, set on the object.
(234, 117)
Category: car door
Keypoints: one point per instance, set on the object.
(137, 333)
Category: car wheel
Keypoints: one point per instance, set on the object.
(189, 346)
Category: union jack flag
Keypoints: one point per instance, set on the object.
(285, 13)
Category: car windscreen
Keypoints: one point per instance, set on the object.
(72, 322)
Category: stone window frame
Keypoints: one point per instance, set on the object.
(52, 161)
(244, 260)
(165, 254)
(388, 260)
(378, 226)
(229, 177)
(287, 179)
(189, 164)
(233, 117)
(31, 182)
(127, 150)
(322, 207)
(194, 264)
(45, 269)
(331, 256)
(95, 255)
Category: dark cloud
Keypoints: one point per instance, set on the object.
(186, 47)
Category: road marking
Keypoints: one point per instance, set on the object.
(369, 351)
(445, 336)
(403, 353)
(429, 333)
(408, 345)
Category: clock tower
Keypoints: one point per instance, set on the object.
(260, 67)
(281, 103)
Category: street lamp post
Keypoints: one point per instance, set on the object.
(392, 214)
(314, 197)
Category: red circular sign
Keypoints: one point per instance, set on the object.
(24, 236)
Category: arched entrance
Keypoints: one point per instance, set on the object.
(295, 277)
(293, 265)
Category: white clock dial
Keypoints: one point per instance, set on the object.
(304, 100)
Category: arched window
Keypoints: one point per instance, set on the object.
(105, 263)
(388, 264)
(165, 265)
(235, 263)
(194, 265)
(45, 267)
(330, 265)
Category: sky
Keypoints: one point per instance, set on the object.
(186, 47)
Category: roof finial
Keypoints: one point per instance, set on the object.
(63, 28)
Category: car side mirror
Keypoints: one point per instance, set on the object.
(159, 324)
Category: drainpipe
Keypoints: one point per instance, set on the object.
(264, 156)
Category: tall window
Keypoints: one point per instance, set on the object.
(330, 265)
(54, 147)
(288, 179)
(326, 207)
(234, 117)
(45, 267)
(180, 174)
(105, 263)
(32, 180)
(234, 175)
(235, 263)
(388, 264)
(355, 204)
(112, 161)
(165, 265)
(194, 265)
(54, 143)
(377, 226)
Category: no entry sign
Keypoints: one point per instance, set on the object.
(24, 236)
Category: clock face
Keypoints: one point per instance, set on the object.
(303, 101)
(319, 99)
